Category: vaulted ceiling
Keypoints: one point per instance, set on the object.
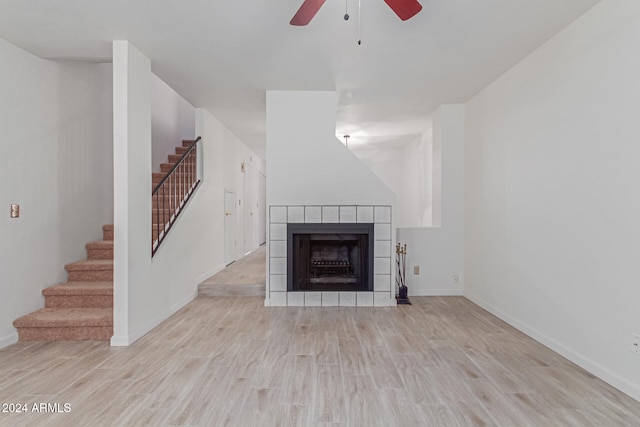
(223, 55)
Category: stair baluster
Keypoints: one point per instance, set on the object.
(173, 191)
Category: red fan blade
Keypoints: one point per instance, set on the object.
(307, 11)
(405, 9)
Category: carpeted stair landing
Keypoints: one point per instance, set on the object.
(82, 308)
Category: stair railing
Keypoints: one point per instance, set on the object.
(172, 193)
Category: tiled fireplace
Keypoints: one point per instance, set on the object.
(343, 256)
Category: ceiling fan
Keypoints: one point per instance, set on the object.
(405, 9)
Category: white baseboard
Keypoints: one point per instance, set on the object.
(209, 273)
(177, 306)
(622, 384)
(9, 340)
(119, 341)
(126, 340)
(436, 292)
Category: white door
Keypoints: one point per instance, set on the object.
(262, 209)
(229, 227)
(250, 209)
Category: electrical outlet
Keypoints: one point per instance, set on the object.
(635, 344)
(416, 270)
(15, 211)
(456, 279)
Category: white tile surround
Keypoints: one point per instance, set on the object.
(279, 216)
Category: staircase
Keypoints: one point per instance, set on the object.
(82, 308)
(171, 189)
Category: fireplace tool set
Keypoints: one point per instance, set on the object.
(401, 264)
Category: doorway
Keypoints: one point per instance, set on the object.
(262, 210)
(250, 208)
(229, 227)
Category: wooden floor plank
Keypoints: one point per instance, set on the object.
(330, 397)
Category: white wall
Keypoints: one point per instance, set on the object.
(146, 290)
(137, 301)
(552, 183)
(307, 163)
(406, 170)
(439, 250)
(56, 143)
(387, 163)
(415, 194)
(172, 120)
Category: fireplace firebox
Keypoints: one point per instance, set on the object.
(330, 257)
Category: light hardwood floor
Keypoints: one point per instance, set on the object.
(442, 361)
(245, 277)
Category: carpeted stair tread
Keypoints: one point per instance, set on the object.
(166, 167)
(157, 178)
(100, 244)
(102, 249)
(187, 142)
(90, 265)
(80, 288)
(107, 232)
(66, 318)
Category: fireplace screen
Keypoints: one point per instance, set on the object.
(330, 257)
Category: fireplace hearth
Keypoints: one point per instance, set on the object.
(330, 257)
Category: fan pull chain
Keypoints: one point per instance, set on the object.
(359, 16)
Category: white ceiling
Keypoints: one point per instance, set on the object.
(223, 54)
